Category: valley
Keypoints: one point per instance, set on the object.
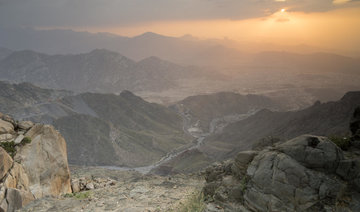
(179, 106)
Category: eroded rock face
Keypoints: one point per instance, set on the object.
(6, 163)
(355, 128)
(307, 173)
(313, 152)
(278, 182)
(39, 168)
(45, 162)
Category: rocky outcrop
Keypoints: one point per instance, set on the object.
(83, 184)
(355, 128)
(6, 162)
(45, 161)
(33, 163)
(307, 173)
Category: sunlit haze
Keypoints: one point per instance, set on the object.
(339, 29)
(333, 25)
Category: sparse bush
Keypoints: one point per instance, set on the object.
(244, 182)
(342, 142)
(195, 203)
(9, 147)
(25, 140)
(79, 195)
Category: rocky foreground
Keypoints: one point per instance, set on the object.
(307, 173)
(129, 191)
(33, 163)
(35, 176)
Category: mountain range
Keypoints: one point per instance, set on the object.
(97, 71)
(264, 128)
(100, 129)
(185, 50)
(323, 119)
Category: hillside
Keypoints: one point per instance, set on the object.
(323, 119)
(101, 129)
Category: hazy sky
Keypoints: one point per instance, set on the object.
(326, 23)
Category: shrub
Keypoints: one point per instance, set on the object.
(25, 140)
(244, 183)
(79, 195)
(9, 147)
(342, 142)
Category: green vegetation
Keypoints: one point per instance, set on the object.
(342, 142)
(9, 147)
(79, 195)
(25, 140)
(244, 182)
(195, 203)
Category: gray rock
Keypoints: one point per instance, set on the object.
(349, 169)
(355, 123)
(313, 152)
(19, 139)
(17, 199)
(90, 186)
(242, 161)
(3, 205)
(280, 183)
(14, 199)
(25, 125)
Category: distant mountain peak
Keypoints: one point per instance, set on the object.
(151, 35)
(126, 94)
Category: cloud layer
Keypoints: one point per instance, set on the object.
(92, 13)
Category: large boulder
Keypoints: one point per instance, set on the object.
(307, 173)
(313, 152)
(280, 183)
(6, 127)
(45, 162)
(355, 128)
(39, 167)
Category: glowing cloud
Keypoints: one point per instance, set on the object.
(341, 1)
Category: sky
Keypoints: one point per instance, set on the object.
(333, 24)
